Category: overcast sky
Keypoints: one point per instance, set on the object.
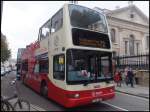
(21, 19)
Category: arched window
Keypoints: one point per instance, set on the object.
(113, 34)
(131, 44)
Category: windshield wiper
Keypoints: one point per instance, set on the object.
(87, 81)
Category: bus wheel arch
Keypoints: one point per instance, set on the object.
(44, 88)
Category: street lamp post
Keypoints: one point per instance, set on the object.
(1, 10)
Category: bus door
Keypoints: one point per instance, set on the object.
(93, 66)
(59, 70)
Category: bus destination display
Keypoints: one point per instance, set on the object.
(90, 39)
(92, 43)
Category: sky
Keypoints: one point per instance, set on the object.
(21, 20)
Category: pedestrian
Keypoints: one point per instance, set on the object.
(117, 78)
(130, 76)
(135, 76)
(123, 77)
(120, 78)
(126, 75)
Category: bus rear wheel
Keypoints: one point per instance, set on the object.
(44, 90)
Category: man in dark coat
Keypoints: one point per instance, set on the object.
(130, 76)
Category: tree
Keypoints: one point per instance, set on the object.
(5, 52)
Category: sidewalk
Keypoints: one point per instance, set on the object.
(136, 91)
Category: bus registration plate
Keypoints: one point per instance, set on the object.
(96, 100)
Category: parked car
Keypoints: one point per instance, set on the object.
(8, 69)
(3, 72)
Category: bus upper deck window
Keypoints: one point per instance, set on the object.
(86, 18)
(44, 31)
(57, 21)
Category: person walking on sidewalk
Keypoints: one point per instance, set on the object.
(130, 76)
(117, 78)
(120, 77)
(126, 75)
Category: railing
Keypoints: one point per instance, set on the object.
(140, 62)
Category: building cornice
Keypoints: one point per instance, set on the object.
(130, 7)
(128, 25)
(128, 22)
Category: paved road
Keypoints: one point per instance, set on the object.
(120, 102)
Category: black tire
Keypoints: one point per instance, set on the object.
(24, 104)
(44, 90)
(6, 106)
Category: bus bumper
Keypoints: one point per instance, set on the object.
(73, 102)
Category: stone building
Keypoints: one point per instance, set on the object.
(129, 29)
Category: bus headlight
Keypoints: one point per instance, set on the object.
(111, 90)
(74, 95)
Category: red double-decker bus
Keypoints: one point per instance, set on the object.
(71, 62)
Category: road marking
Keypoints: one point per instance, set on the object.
(37, 108)
(115, 106)
(147, 99)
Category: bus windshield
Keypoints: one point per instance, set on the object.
(86, 18)
(88, 65)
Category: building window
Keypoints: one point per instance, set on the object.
(126, 47)
(147, 42)
(131, 44)
(114, 53)
(137, 48)
(95, 26)
(59, 67)
(113, 34)
(131, 15)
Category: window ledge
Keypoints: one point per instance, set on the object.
(115, 43)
